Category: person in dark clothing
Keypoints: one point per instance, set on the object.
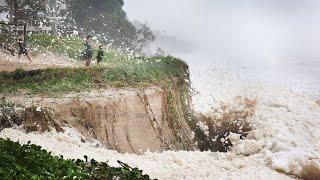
(23, 46)
(100, 55)
(89, 50)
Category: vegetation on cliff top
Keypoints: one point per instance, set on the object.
(71, 47)
(141, 72)
(119, 69)
(32, 162)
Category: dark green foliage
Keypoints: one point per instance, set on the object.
(155, 70)
(19, 73)
(21, 14)
(31, 162)
(105, 18)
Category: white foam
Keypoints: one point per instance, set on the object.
(166, 165)
(286, 124)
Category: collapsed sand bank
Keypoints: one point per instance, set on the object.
(125, 120)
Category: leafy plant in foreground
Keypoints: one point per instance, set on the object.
(32, 162)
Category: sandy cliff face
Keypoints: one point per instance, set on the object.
(129, 121)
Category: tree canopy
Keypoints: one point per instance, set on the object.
(105, 18)
(31, 11)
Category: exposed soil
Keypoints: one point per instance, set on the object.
(11, 63)
(126, 120)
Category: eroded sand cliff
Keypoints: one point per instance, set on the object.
(126, 120)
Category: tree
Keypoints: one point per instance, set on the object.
(105, 18)
(29, 11)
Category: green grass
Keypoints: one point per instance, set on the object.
(71, 47)
(136, 73)
(68, 46)
(32, 162)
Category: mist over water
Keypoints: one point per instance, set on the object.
(272, 41)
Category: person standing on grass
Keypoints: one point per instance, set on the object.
(23, 46)
(99, 55)
(89, 50)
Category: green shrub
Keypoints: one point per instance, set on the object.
(32, 162)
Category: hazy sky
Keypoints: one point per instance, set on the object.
(272, 30)
(276, 41)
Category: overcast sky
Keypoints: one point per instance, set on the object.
(268, 30)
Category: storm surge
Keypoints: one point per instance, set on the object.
(280, 126)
